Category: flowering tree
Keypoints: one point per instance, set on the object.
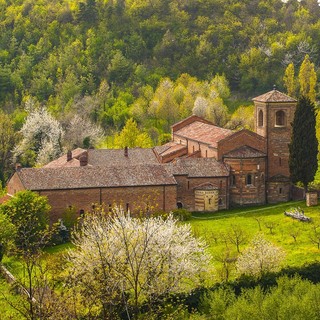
(260, 257)
(82, 132)
(120, 260)
(42, 134)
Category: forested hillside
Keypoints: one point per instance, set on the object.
(155, 61)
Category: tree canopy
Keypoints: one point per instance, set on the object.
(121, 261)
(303, 147)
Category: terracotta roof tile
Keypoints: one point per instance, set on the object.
(244, 152)
(116, 157)
(198, 167)
(94, 177)
(274, 96)
(204, 132)
(62, 161)
(169, 148)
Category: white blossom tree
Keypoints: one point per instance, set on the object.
(42, 134)
(82, 132)
(119, 259)
(260, 257)
(211, 108)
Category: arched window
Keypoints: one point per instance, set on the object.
(249, 179)
(260, 118)
(280, 118)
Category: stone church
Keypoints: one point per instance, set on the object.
(202, 168)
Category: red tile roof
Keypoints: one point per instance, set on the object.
(274, 96)
(62, 161)
(203, 132)
(169, 148)
(244, 152)
(198, 167)
(116, 157)
(94, 177)
(106, 158)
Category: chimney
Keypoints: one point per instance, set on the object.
(84, 159)
(18, 167)
(69, 155)
(126, 151)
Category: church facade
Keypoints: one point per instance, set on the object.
(202, 168)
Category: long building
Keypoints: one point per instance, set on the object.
(202, 168)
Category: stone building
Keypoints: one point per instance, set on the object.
(202, 168)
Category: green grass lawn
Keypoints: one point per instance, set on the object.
(7, 297)
(213, 228)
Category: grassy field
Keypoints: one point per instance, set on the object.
(276, 227)
(7, 296)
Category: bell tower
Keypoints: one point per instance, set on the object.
(274, 113)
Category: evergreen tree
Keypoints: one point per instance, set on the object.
(304, 145)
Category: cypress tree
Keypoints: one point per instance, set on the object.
(303, 147)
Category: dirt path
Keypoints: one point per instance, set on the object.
(247, 211)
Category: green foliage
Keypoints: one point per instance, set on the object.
(29, 213)
(70, 217)
(303, 147)
(7, 234)
(307, 79)
(289, 80)
(60, 51)
(181, 214)
(131, 137)
(8, 138)
(290, 298)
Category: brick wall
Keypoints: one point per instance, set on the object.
(279, 192)
(239, 139)
(241, 192)
(134, 198)
(14, 185)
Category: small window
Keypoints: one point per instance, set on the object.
(280, 118)
(280, 190)
(81, 213)
(233, 180)
(188, 185)
(260, 118)
(127, 207)
(249, 179)
(179, 205)
(206, 153)
(280, 162)
(220, 185)
(220, 203)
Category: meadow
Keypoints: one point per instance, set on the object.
(293, 236)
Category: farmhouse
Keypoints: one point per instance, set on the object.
(202, 168)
